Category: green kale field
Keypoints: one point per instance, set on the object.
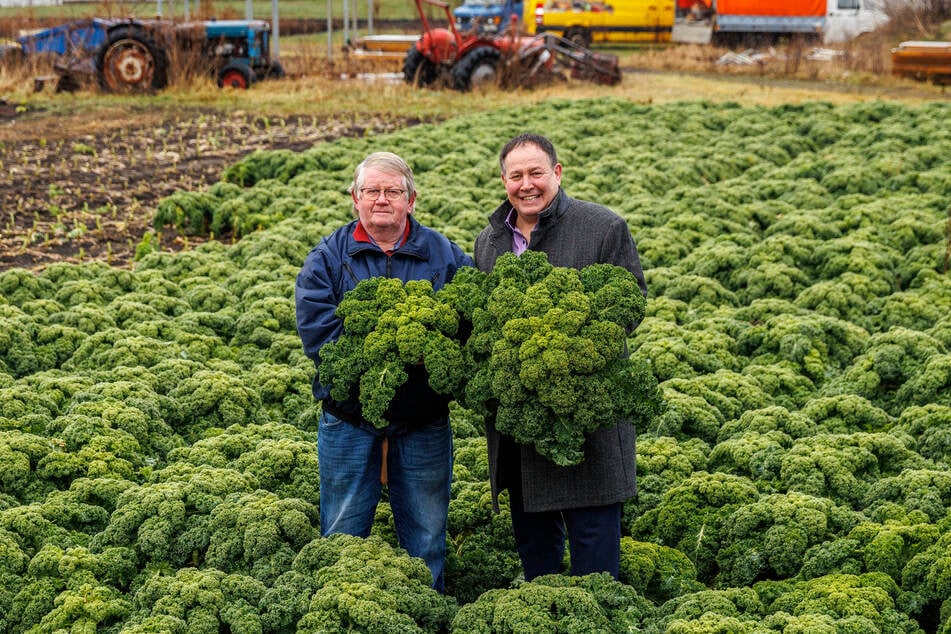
(158, 465)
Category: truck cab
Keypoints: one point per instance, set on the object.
(848, 19)
(486, 16)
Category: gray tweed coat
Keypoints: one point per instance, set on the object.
(573, 233)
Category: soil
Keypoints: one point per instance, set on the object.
(85, 187)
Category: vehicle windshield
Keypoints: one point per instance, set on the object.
(480, 3)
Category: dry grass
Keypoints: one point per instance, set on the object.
(312, 90)
(869, 56)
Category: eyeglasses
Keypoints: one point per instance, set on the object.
(372, 193)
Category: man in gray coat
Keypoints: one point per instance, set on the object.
(548, 501)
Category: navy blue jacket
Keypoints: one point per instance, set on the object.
(334, 267)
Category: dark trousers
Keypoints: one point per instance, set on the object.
(594, 538)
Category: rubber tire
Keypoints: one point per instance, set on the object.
(236, 75)
(275, 70)
(418, 70)
(579, 35)
(134, 37)
(66, 82)
(471, 66)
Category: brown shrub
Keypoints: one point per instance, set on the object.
(916, 19)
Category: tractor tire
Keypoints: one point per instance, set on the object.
(418, 70)
(236, 75)
(130, 61)
(478, 68)
(579, 35)
(275, 70)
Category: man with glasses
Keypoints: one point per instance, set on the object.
(412, 456)
(548, 501)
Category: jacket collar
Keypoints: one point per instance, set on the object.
(557, 208)
(414, 245)
(360, 234)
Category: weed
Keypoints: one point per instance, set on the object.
(82, 148)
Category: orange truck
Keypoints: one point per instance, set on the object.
(585, 22)
(728, 21)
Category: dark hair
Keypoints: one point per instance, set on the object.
(542, 143)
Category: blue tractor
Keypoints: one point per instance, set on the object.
(129, 55)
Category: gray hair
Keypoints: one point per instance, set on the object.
(385, 162)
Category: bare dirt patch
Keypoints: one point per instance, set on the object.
(85, 187)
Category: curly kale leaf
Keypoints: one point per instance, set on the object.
(388, 326)
(548, 352)
(558, 603)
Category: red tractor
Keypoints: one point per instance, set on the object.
(469, 60)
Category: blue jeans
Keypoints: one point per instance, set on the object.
(419, 474)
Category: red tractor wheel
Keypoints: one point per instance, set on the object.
(418, 70)
(131, 61)
(236, 75)
(477, 68)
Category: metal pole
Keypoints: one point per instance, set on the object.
(248, 10)
(346, 21)
(158, 8)
(369, 17)
(188, 14)
(275, 31)
(330, 32)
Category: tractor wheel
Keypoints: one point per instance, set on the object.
(236, 75)
(418, 70)
(275, 70)
(477, 68)
(131, 61)
(579, 35)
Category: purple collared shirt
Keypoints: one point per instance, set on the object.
(519, 241)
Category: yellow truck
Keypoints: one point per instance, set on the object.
(609, 21)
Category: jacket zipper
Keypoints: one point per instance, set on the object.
(348, 269)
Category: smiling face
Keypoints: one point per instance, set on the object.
(384, 219)
(531, 181)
